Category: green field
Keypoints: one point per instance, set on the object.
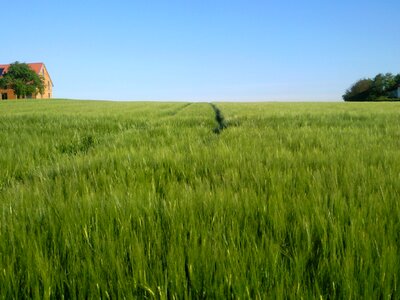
(145, 200)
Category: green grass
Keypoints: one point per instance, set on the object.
(144, 200)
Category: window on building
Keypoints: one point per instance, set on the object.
(1, 71)
(4, 96)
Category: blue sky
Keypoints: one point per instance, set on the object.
(203, 50)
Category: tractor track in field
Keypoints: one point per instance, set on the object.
(179, 109)
(219, 117)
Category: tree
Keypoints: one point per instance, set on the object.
(397, 80)
(378, 89)
(382, 84)
(359, 90)
(22, 80)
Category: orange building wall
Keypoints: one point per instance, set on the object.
(10, 94)
(48, 85)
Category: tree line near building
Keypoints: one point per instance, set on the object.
(380, 88)
(22, 80)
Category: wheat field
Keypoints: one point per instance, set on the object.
(158, 200)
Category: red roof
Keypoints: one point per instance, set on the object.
(37, 67)
(3, 69)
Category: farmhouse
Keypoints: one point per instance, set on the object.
(41, 70)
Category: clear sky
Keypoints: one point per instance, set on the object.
(203, 50)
